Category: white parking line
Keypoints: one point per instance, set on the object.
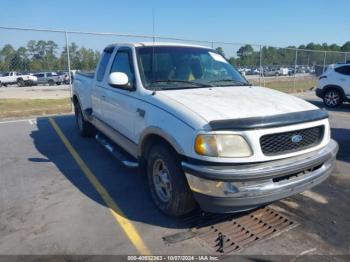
(30, 121)
(315, 196)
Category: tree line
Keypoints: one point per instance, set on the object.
(309, 55)
(47, 56)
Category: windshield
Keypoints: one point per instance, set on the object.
(177, 67)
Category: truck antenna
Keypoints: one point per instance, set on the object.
(153, 57)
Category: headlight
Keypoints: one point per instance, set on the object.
(222, 145)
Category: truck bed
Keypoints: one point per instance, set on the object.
(87, 74)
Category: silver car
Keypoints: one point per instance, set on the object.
(50, 78)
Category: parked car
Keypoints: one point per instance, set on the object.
(17, 78)
(334, 85)
(50, 78)
(271, 72)
(291, 71)
(199, 130)
(283, 71)
(65, 76)
(253, 71)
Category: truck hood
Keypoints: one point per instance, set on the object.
(219, 103)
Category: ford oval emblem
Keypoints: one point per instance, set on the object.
(297, 138)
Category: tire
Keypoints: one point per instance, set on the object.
(85, 129)
(20, 82)
(170, 193)
(58, 83)
(332, 98)
(51, 82)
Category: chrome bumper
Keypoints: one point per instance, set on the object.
(245, 186)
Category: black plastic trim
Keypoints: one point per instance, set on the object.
(269, 121)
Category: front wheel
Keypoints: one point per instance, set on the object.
(167, 182)
(20, 82)
(332, 98)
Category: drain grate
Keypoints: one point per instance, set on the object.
(233, 234)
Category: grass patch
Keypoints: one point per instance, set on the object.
(36, 107)
(33, 107)
(288, 86)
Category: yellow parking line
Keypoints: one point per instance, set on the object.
(117, 213)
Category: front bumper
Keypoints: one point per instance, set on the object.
(223, 189)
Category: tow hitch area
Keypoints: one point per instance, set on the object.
(233, 232)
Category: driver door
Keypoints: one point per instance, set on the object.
(119, 107)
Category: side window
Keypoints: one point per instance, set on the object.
(103, 65)
(345, 70)
(123, 63)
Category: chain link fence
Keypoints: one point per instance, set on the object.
(52, 57)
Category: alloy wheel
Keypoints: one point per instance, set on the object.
(332, 98)
(161, 180)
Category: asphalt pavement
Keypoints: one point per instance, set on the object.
(63, 194)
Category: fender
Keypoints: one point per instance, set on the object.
(338, 88)
(153, 130)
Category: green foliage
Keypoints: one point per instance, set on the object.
(45, 56)
(314, 55)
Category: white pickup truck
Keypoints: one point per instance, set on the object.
(17, 78)
(199, 130)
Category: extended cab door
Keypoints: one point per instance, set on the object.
(119, 108)
(98, 94)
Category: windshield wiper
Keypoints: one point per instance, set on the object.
(181, 81)
(232, 80)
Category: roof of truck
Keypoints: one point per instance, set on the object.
(140, 44)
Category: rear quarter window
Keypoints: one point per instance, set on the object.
(344, 70)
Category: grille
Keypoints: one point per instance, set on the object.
(281, 143)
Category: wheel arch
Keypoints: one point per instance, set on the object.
(334, 87)
(153, 135)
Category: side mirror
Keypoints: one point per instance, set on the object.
(118, 79)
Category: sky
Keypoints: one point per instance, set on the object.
(267, 22)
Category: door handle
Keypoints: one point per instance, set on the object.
(103, 97)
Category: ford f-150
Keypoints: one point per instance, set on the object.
(199, 130)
